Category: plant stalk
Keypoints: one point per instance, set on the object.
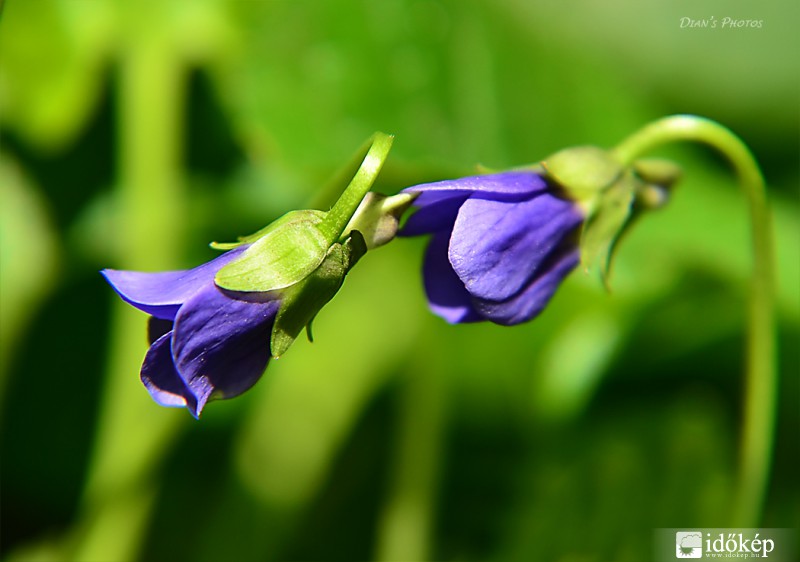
(761, 377)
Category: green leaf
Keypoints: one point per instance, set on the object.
(583, 171)
(285, 255)
(604, 226)
(301, 302)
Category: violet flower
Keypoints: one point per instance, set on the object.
(501, 245)
(205, 343)
(213, 328)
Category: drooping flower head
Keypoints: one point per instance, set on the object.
(204, 341)
(502, 243)
(214, 328)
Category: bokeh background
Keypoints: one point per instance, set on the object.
(135, 132)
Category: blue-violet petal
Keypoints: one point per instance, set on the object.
(161, 294)
(220, 345)
(161, 379)
(533, 298)
(447, 296)
(496, 247)
(433, 217)
(507, 186)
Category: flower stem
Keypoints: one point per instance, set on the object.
(761, 375)
(377, 150)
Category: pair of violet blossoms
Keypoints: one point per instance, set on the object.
(500, 245)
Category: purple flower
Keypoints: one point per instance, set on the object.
(501, 245)
(205, 343)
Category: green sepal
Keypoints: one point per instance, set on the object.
(658, 177)
(356, 247)
(658, 171)
(604, 226)
(301, 302)
(291, 216)
(583, 171)
(292, 247)
(378, 216)
(285, 255)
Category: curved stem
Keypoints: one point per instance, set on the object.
(345, 207)
(761, 375)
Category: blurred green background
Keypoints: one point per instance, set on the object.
(135, 132)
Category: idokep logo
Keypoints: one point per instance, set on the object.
(688, 544)
(773, 545)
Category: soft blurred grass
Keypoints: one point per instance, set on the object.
(393, 435)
